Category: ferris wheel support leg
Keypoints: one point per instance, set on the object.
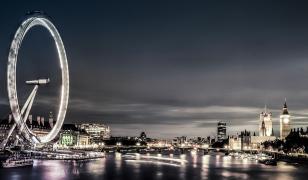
(28, 108)
(4, 142)
(26, 105)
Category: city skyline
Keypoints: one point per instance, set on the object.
(170, 69)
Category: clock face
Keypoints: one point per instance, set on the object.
(285, 120)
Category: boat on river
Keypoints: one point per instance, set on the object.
(12, 162)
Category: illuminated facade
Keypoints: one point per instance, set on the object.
(97, 132)
(178, 141)
(266, 124)
(256, 141)
(245, 140)
(285, 125)
(248, 141)
(40, 127)
(68, 139)
(71, 135)
(235, 143)
(5, 126)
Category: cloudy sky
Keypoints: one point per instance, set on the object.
(169, 68)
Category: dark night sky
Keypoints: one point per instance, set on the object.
(167, 67)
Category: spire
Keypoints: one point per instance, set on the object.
(265, 108)
(285, 107)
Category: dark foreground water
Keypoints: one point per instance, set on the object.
(156, 167)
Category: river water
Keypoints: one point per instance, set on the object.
(156, 167)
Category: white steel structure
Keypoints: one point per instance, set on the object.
(20, 116)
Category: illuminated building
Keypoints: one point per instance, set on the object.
(178, 141)
(40, 127)
(256, 141)
(285, 125)
(5, 126)
(97, 132)
(71, 135)
(221, 131)
(235, 143)
(265, 132)
(266, 124)
(245, 140)
(253, 142)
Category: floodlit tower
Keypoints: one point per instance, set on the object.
(285, 125)
(266, 124)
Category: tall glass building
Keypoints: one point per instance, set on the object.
(221, 131)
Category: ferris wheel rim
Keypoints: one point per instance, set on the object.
(37, 19)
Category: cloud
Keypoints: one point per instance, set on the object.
(137, 116)
(173, 72)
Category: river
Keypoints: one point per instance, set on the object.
(156, 167)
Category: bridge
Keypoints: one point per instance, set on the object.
(64, 155)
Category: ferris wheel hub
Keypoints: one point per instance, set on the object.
(38, 82)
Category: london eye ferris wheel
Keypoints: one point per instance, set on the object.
(19, 114)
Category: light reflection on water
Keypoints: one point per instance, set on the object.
(156, 167)
(205, 166)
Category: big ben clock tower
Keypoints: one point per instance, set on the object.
(285, 125)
